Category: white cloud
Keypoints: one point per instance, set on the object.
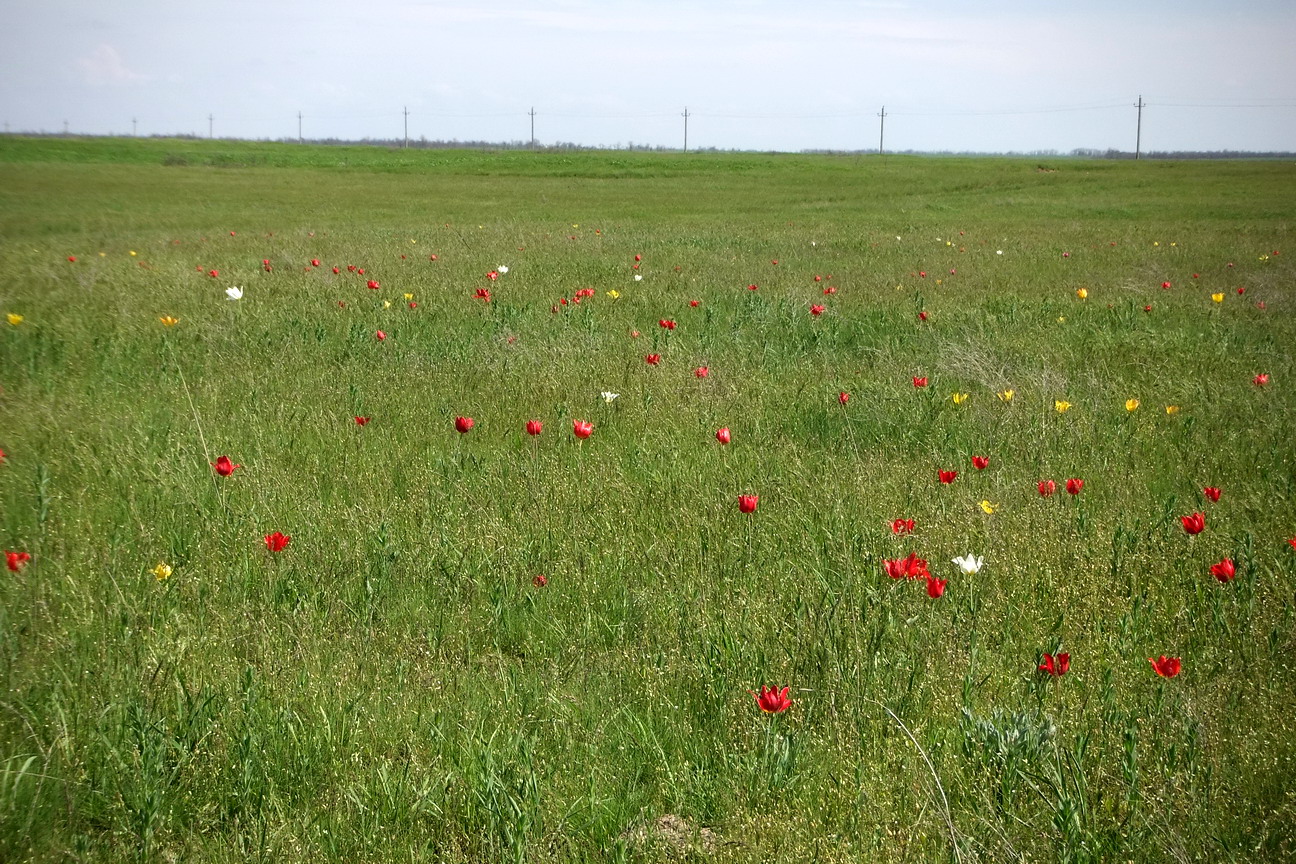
(105, 67)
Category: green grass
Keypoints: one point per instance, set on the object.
(393, 687)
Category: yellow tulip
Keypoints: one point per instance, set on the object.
(1131, 404)
(959, 398)
(1218, 298)
(1082, 293)
(1005, 395)
(409, 296)
(987, 507)
(132, 253)
(614, 294)
(169, 321)
(15, 319)
(1061, 405)
(386, 304)
(1172, 409)
(1061, 319)
(161, 571)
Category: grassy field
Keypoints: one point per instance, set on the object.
(396, 684)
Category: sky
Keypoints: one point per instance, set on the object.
(989, 76)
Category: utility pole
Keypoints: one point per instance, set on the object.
(134, 128)
(685, 115)
(1138, 134)
(881, 129)
(406, 109)
(532, 126)
(209, 126)
(299, 137)
(65, 127)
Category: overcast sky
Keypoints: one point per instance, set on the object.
(993, 75)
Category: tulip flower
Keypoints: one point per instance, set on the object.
(1074, 485)
(652, 359)
(920, 382)
(1047, 488)
(1224, 571)
(987, 508)
(909, 567)
(534, 427)
(980, 462)
(1006, 395)
(922, 316)
(722, 435)
(772, 700)
(1218, 297)
(1194, 524)
(502, 269)
(14, 319)
(843, 397)
(539, 580)
(1172, 409)
(213, 273)
(224, 467)
(609, 396)
(1056, 666)
(372, 285)
(902, 526)
(1131, 405)
(816, 309)
(1165, 285)
(1061, 406)
(380, 335)
(1212, 492)
(161, 571)
(1166, 667)
(72, 258)
(314, 262)
(15, 561)
(959, 398)
(169, 320)
(747, 503)
(582, 429)
(362, 421)
(463, 424)
(969, 564)
(1082, 293)
(947, 476)
(277, 542)
(1261, 379)
(701, 372)
(935, 587)
(234, 292)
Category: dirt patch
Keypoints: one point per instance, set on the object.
(673, 834)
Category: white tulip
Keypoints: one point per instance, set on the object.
(969, 564)
(609, 396)
(234, 293)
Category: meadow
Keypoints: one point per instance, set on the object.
(390, 635)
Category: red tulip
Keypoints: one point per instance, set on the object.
(362, 421)
(213, 273)
(843, 397)
(380, 335)
(432, 257)
(910, 567)
(1166, 667)
(224, 467)
(816, 309)
(947, 476)
(1292, 541)
(751, 287)
(922, 316)
(638, 257)
(492, 275)
(818, 278)
(1056, 666)
(1074, 485)
(902, 526)
(2, 456)
(534, 427)
(482, 294)
(277, 542)
(1212, 492)
(747, 503)
(980, 462)
(920, 382)
(15, 561)
(314, 262)
(722, 435)
(337, 270)
(935, 587)
(1047, 488)
(1147, 308)
(701, 372)
(372, 285)
(694, 303)
(1165, 285)
(666, 324)
(463, 424)
(652, 359)
(773, 700)
(1195, 523)
(831, 289)
(1224, 571)
(539, 580)
(72, 258)
(1261, 379)
(582, 429)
